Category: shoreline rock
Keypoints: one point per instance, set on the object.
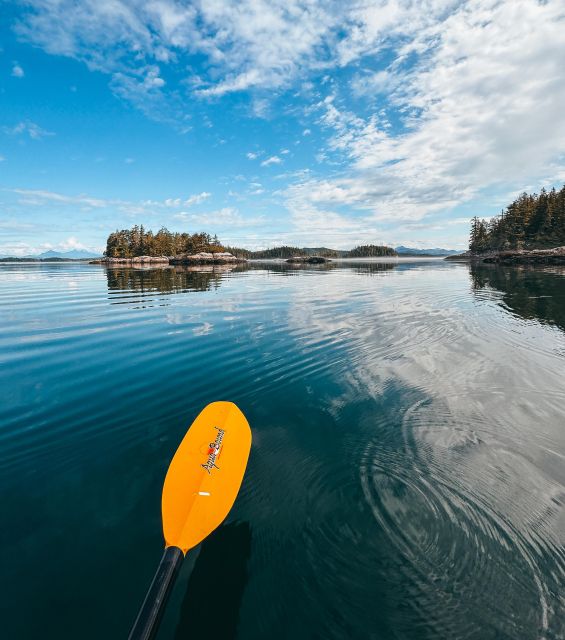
(556, 255)
(132, 261)
(184, 259)
(534, 256)
(206, 258)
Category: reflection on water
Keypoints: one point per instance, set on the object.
(534, 293)
(212, 601)
(180, 279)
(407, 475)
(167, 280)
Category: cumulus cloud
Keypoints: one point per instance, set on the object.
(255, 43)
(225, 217)
(468, 96)
(251, 45)
(38, 197)
(271, 160)
(72, 243)
(17, 71)
(480, 108)
(255, 189)
(197, 198)
(29, 128)
(21, 249)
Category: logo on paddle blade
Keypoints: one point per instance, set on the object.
(214, 451)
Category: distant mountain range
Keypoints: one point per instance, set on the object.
(81, 254)
(74, 254)
(365, 251)
(403, 251)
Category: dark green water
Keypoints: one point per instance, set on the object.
(407, 475)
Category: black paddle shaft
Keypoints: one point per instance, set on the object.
(149, 616)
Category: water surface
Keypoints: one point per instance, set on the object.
(407, 475)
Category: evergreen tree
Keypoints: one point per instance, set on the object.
(531, 221)
(129, 243)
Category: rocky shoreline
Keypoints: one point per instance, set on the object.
(516, 256)
(201, 258)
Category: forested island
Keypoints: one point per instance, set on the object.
(530, 222)
(284, 252)
(137, 242)
(531, 230)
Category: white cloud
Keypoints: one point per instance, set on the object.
(72, 243)
(261, 108)
(271, 160)
(143, 86)
(179, 202)
(20, 249)
(39, 197)
(253, 155)
(17, 71)
(196, 198)
(225, 217)
(369, 84)
(251, 44)
(480, 109)
(27, 127)
(475, 88)
(256, 189)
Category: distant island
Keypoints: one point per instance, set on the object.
(140, 245)
(425, 253)
(285, 252)
(530, 230)
(363, 251)
(53, 256)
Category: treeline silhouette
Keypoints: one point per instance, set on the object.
(137, 241)
(530, 222)
(282, 252)
(370, 251)
(365, 251)
(532, 294)
(171, 280)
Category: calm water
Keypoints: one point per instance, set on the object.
(407, 475)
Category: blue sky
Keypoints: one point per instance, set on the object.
(297, 122)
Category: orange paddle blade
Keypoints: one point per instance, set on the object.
(205, 475)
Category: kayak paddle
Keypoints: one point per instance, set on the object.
(200, 488)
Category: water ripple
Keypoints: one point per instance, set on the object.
(407, 477)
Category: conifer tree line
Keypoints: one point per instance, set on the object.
(364, 251)
(530, 222)
(371, 251)
(129, 243)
